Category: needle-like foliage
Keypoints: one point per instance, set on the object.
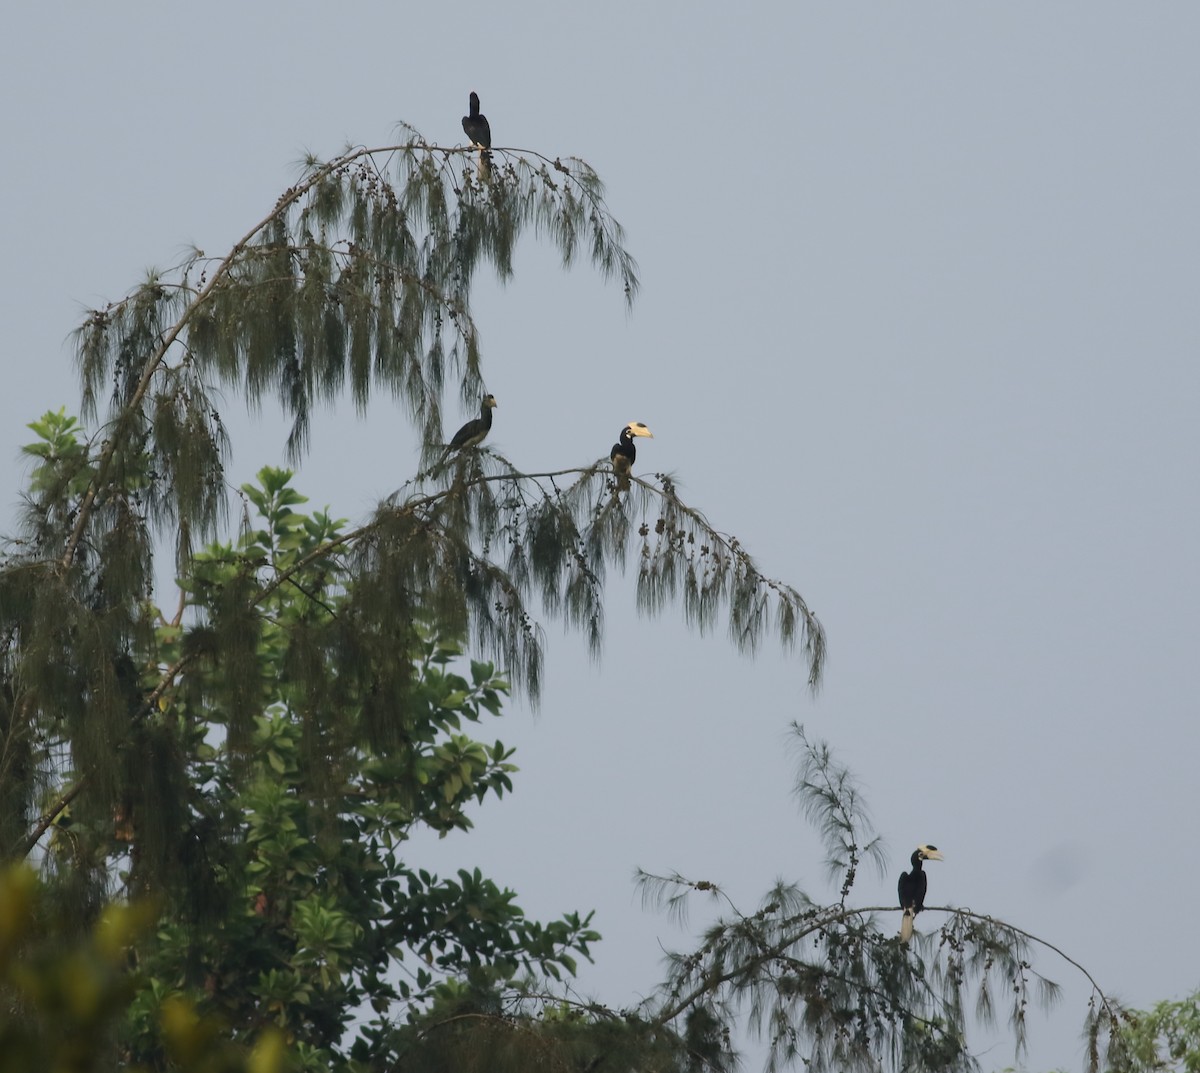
(830, 800)
(133, 742)
(274, 747)
(828, 986)
(831, 985)
(254, 764)
(358, 279)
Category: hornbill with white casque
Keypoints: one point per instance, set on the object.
(912, 887)
(623, 453)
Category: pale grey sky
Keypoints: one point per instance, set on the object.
(918, 324)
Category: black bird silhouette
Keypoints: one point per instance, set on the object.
(912, 887)
(623, 453)
(475, 431)
(475, 125)
(476, 128)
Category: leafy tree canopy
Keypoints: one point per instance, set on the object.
(358, 277)
(826, 985)
(263, 804)
(240, 776)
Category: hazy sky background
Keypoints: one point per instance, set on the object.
(918, 324)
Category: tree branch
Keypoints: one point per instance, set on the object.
(288, 199)
(836, 914)
(1108, 1005)
(821, 918)
(43, 825)
(408, 507)
(590, 192)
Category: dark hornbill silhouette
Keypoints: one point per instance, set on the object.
(623, 453)
(912, 887)
(475, 431)
(479, 132)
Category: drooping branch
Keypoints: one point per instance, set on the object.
(812, 922)
(559, 541)
(828, 977)
(349, 277)
(154, 359)
(1111, 1006)
(803, 958)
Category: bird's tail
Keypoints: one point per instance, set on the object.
(906, 925)
(485, 165)
(447, 459)
(622, 481)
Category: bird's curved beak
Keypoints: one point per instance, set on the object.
(934, 855)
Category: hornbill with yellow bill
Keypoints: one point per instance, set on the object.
(623, 453)
(912, 887)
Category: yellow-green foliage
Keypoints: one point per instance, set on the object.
(64, 990)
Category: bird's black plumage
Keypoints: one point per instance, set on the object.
(624, 454)
(912, 887)
(475, 431)
(475, 125)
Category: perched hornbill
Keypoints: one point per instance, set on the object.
(475, 431)
(624, 453)
(912, 887)
(478, 132)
